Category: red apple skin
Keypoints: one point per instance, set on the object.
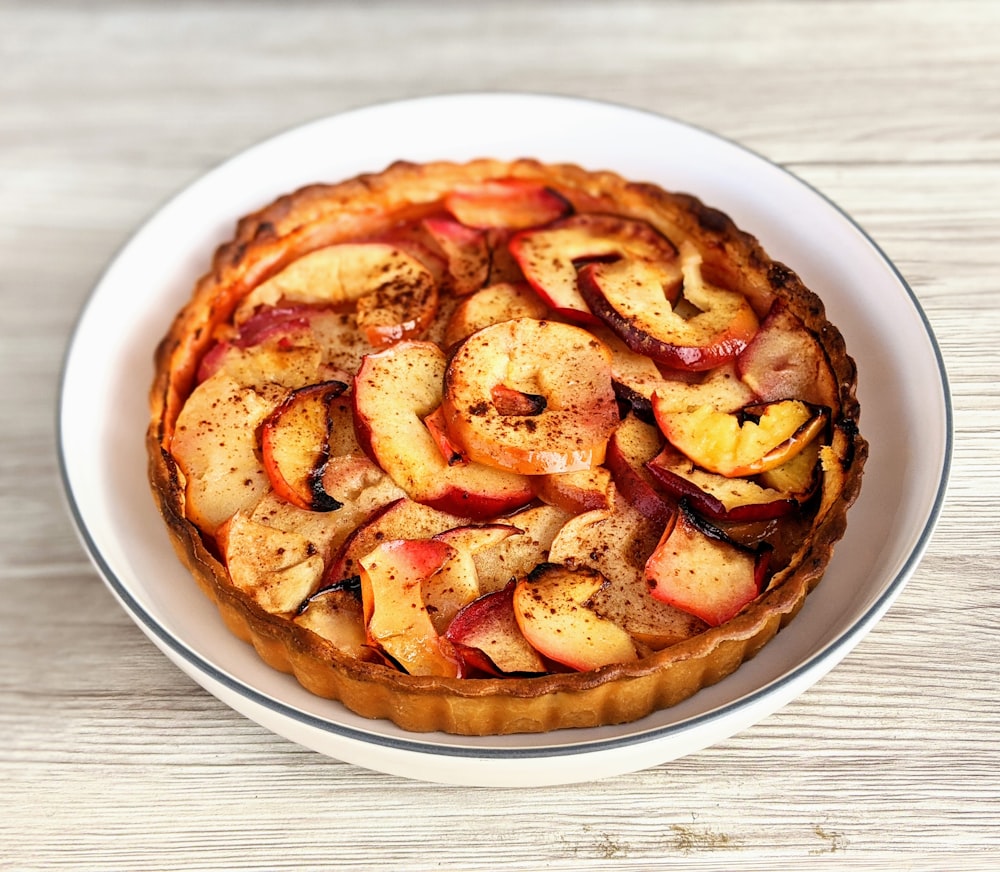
(466, 251)
(785, 361)
(395, 619)
(213, 360)
(550, 256)
(664, 468)
(696, 567)
(513, 204)
(725, 345)
(271, 323)
(394, 390)
(477, 506)
(451, 451)
(631, 446)
(401, 519)
(473, 663)
(302, 484)
(487, 636)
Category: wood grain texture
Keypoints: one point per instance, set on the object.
(112, 759)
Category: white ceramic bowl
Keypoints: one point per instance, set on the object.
(903, 393)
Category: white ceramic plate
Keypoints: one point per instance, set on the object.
(903, 392)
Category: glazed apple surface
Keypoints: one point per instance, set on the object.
(498, 432)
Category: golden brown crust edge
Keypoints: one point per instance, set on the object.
(320, 215)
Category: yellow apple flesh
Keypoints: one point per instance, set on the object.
(735, 444)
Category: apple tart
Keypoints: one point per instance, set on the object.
(502, 446)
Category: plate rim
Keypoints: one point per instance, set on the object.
(822, 660)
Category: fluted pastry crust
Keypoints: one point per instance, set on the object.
(362, 208)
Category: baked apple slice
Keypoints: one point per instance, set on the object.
(516, 555)
(284, 324)
(513, 403)
(721, 388)
(549, 257)
(785, 361)
(394, 391)
(698, 569)
(321, 341)
(617, 544)
(633, 444)
(276, 568)
(531, 397)
(283, 327)
(550, 607)
(580, 491)
(394, 293)
(457, 582)
(215, 446)
(291, 361)
(336, 334)
(487, 636)
(491, 305)
(799, 477)
(638, 300)
(401, 519)
(362, 487)
(634, 376)
(452, 453)
(512, 204)
(295, 446)
(716, 496)
(417, 241)
(335, 614)
(504, 268)
(752, 440)
(466, 252)
(473, 538)
(396, 620)
(452, 586)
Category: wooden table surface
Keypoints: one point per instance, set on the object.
(112, 759)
